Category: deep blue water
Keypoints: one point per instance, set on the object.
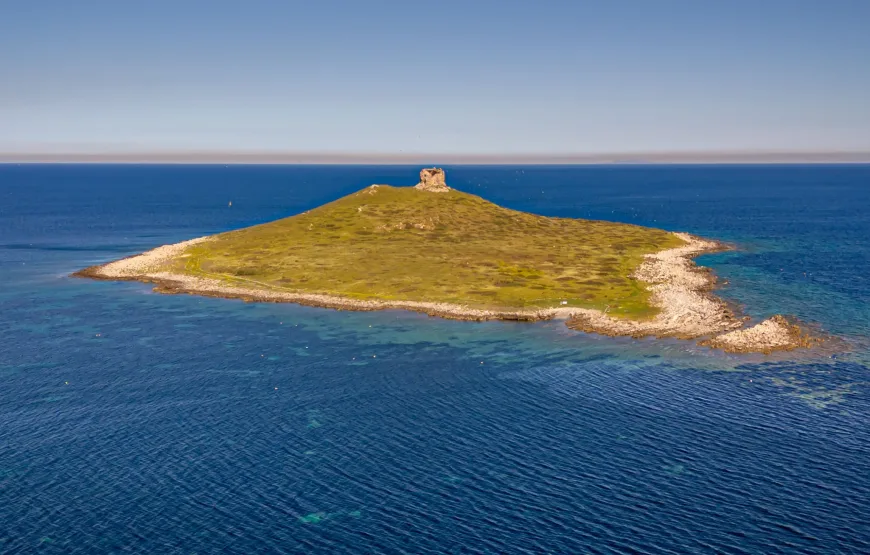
(144, 423)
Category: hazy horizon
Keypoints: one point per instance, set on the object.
(189, 157)
(391, 79)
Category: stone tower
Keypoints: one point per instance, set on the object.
(432, 180)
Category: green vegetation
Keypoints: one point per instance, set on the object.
(400, 243)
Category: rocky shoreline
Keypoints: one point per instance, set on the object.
(679, 289)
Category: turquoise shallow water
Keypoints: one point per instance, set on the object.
(137, 422)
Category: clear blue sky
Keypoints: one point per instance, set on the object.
(472, 76)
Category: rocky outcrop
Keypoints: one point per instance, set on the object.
(432, 180)
(774, 334)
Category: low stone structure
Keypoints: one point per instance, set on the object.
(432, 180)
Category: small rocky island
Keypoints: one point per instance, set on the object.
(433, 249)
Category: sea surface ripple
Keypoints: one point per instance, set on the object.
(143, 423)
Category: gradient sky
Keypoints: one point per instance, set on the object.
(472, 76)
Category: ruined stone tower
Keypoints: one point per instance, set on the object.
(432, 180)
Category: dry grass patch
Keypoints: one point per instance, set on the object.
(400, 243)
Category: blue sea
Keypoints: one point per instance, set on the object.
(144, 423)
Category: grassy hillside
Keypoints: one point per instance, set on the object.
(402, 243)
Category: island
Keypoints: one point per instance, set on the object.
(447, 253)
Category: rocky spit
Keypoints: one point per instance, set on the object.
(680, 290)
(776, 333)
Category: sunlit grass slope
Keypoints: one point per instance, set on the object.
(400, 243)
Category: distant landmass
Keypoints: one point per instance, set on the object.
(433, 249)
(276, 157)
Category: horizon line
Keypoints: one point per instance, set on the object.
(363, 158)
